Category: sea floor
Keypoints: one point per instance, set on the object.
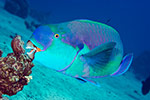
(51, 85)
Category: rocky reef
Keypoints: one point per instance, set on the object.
(22, 9)
(17, 7)
(141, 65)
(15, 69)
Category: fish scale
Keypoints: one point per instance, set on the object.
(90, 33)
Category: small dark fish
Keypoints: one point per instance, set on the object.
(108, 20)
(146, 86)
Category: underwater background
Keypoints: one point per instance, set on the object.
(131, 18)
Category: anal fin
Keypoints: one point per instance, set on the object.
(84, 80)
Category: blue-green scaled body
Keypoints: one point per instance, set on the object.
(81, 49)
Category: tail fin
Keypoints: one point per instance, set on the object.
(125, 64)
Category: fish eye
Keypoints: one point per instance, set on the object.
(56, 35)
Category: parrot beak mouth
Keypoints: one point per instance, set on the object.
(32, 49)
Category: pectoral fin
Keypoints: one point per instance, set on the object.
(99, 56)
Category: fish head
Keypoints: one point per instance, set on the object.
(53, 48)
(40, 40)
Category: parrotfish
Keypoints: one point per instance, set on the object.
(82, 49)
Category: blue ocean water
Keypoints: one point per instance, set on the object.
(129, 17)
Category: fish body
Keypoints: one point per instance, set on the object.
(81, 48)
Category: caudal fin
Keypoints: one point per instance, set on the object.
(125, 64)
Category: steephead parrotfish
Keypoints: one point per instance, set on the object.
(82, 49)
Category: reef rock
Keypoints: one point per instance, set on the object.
(141, 65)
(15, 69)
(1, 52)
(40, 16)
(146, 86)
(17, 7)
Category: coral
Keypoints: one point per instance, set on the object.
(1, 52)
(31, 25)
(15, 69)
(17, 45)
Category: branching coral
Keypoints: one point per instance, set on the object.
(15, 69)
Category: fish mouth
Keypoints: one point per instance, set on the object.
(32, 49)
